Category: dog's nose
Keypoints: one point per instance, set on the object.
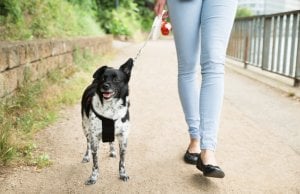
(106, 86)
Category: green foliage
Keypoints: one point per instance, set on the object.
(46, 18)
(32, 158)
(7, 151)
(23, 20)
(42, 161)
(83, 59)
(243, 12)
(121, 21)
(146, 13)
(126, 19)
(18, 115)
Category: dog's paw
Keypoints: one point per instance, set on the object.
(112, 154)
(85, 159)
(93, 178)
(90, 181)
(124, 177)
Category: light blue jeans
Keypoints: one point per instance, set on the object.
(201, 31)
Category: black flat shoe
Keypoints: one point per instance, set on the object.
(191, 158)
(210, 170)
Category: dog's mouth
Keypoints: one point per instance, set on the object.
(107, 95)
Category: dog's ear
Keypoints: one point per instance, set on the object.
(99, 72)
(127, 67)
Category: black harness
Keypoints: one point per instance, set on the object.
(108, 127)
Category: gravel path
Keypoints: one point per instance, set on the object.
(259, 139)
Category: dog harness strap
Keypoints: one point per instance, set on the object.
(108, 128)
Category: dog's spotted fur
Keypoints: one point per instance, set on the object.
(106, 97)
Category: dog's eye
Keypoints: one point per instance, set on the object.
(115, 79)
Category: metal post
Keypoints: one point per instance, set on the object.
(293, 45)
(274, 37)
(246, 52)
(286, 42)
(266, 42)
(277, 67)
(259, 29)
(297, 73)
(254, 37)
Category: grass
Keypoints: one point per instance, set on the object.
(34, 107)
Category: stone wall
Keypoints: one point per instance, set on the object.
(37, 58)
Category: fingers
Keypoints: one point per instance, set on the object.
(159, 6)
(165, 15)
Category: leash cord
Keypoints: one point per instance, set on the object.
(155, 27)
(143, 46)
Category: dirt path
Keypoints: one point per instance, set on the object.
(259, 140)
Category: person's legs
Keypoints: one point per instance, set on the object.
(185, 18)
(216, 22)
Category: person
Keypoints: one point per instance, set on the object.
(201, 31)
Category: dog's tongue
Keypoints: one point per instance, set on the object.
(107, 94)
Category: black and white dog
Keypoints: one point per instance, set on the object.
(104, 109)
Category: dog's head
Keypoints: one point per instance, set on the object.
(113, 83)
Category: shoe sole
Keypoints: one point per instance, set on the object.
(216, 174)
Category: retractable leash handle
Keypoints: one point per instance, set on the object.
(156, 26)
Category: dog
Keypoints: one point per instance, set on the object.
(105, 114)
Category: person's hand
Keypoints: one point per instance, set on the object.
(159, 6)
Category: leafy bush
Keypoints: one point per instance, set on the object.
(146, 13)
(119, 21)
(45, 18)
(130, 16)
(243, 12)
(23, 20)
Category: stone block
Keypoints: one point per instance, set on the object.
(32, 52)
(22, 49)
(52, 63)
(10, 80)
(32, 71)
(13, 56)
(68, 59)
(60, 60)
(20, 75)
(2, 92)
(3, 59)
(44, 48)
(42, 68)
(68, 46)
(58, 47)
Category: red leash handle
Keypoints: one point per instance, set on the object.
(165, 28)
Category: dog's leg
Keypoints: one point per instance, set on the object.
(85, 126)
(95, 171)
(112, 151)
(123, 145)
(95, 138)
(86, 157)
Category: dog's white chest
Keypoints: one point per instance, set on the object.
(113, 109)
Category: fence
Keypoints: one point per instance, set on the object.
(270, 42)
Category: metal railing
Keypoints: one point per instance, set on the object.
(270, 42)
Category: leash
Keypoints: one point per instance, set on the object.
(152, 35)
(142, 47)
